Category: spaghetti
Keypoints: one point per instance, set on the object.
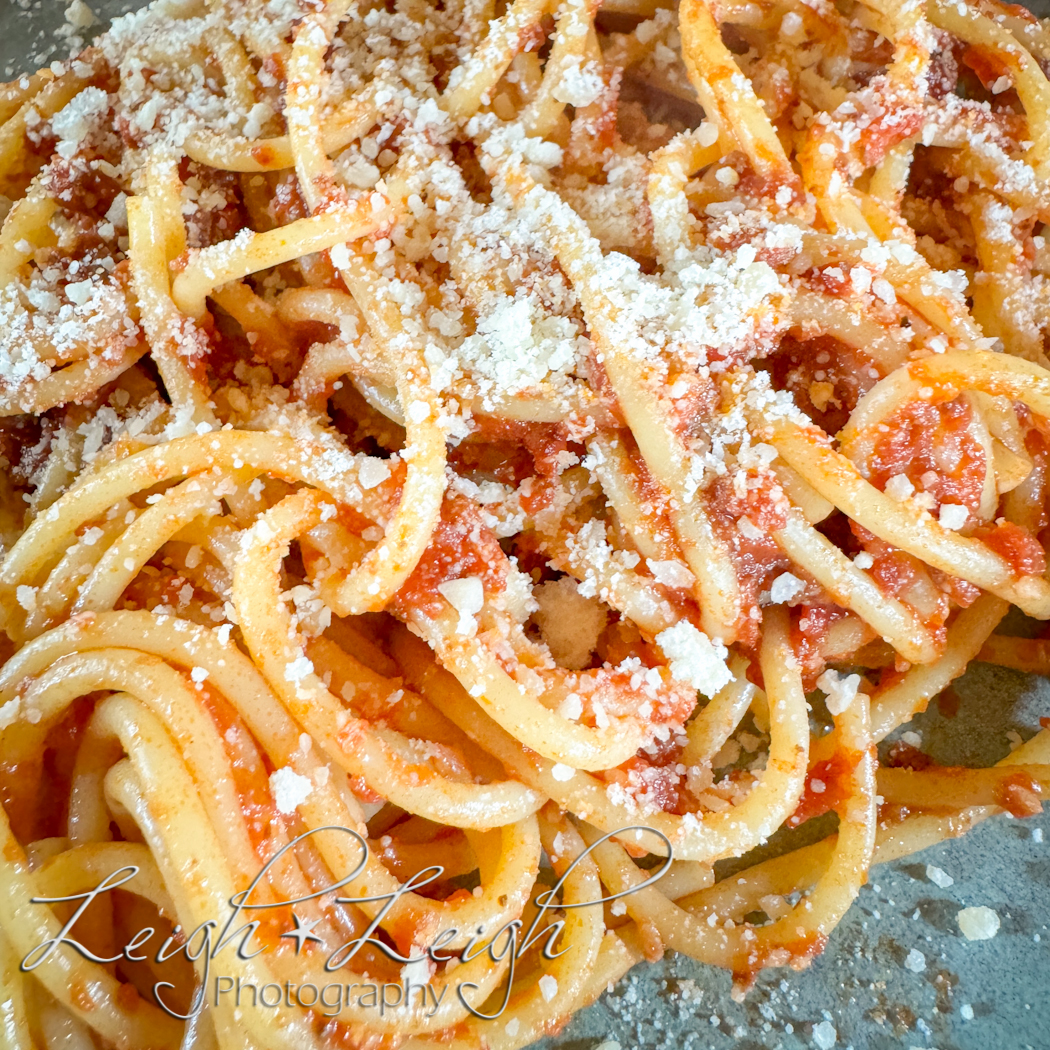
(466, 434)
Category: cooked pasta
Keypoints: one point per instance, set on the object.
(469, 468)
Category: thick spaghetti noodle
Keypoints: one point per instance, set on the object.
(474, 430)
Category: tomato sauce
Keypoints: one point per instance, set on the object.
(1018, 794)
(906, 756)
(809, 633)
(933, 447)
(986, 63)
(943, 75)
(902, 575)
(797, 953)
(893, 127)
(756, 560)
(691, 410)
(652, 778)
(512, 451)
(250, 777)
(1016, 546)
(461, 546)
(250, 773)
(832, 780)
(825, 377)
(656, 510)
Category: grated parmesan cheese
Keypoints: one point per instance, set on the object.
(938, 876)
(289, 789)
(372, 472)
(824, 1035)
(839, 689)
(953, 516)
(978, 924)
(694, 658)
(467, 597)
(76, 119)
(671, 574)
(581, 83)
(899, 487)
(785, 587)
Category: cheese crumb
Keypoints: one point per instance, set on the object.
(824, 1035)
(785, 587)
(9, 712)
(953, 516)
(548, 987)
(672, 574)
(418, 971)
(707, 133)
(466, 596)
(915, 961)
(289, 789)
(79, 15)
(748, 530)
(695, 658)
(73, 122)
(580, 85)
(562, 772)
(569, 622)
(373, 472)
(417, 412)
(978, 924)
(860, 279)
(884, 290)
(26, 597)
(840, 689)
(938, 876)
(899, 487)
(571, 707)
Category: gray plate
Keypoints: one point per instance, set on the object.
(860, 984)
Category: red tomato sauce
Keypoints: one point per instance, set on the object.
(651, 775)
(757, 561)
(250, 777)
(825, 376)
(511, 451)
(986, 63)
(923, 438)
(809, 633)
(461, 546)
(1016, 546)
(893, 127)
(834, 774)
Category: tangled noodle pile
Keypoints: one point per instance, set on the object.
(479, 428)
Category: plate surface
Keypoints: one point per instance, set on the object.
(859, 986)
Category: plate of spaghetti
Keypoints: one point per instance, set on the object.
(489, 493)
